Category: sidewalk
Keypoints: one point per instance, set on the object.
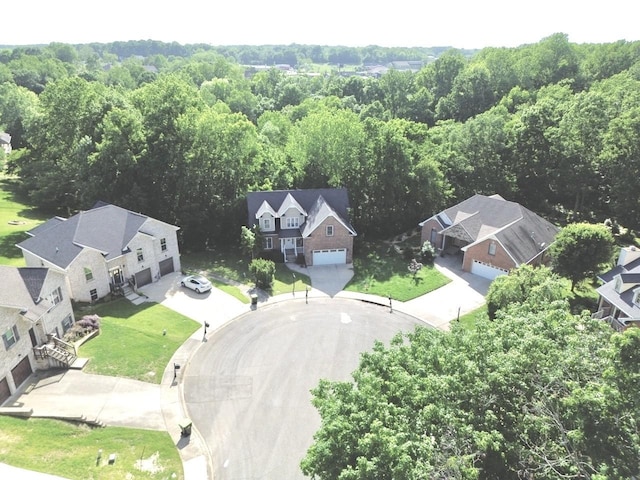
(162, 407)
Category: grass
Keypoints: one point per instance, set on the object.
(70, 450)
(469, 320)
(230, 264)
(380, 270)
(131, 343)
(16, 217)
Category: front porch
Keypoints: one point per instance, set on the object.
(291, 245)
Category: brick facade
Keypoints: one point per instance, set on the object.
(318, 240)
(480, 252)
(425, 235)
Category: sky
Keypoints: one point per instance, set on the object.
(396, 23)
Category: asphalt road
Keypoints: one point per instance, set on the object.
(247, 389)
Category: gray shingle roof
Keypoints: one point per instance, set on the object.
(106, 228)
(21, 287)
(522, 233)
(314, 201)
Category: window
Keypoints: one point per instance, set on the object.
(267, 243)
(492, 248)
(163, 244)
(266, 223)
(67, 323)
(94, 295)
(636, 296)
(88, 274)
(139, 254)
(293, 222)
(56, 296)
(10, 337)
(329, 230)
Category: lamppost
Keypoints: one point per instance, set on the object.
(176, 367)
(306, 295)
(293, 287)
(204, 335)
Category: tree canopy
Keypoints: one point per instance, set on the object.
(182, 132)
(535, 394)
(581, 250)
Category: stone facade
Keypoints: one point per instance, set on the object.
(53, 314)
(89, 276)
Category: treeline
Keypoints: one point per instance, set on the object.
(554, 125)
(294, 55)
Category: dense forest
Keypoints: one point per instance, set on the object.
(181, 133)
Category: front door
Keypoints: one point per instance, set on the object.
(117, 276)
(289, 243)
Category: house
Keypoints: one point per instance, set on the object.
(34, 307)
(5, 142)
(310, 225)
(104, 249)
(492, 234)
(619, 302)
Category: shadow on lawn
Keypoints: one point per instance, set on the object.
(8, 243)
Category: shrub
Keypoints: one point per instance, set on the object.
(427, 253)
(263, 272)
(274, 255)
(83, 327)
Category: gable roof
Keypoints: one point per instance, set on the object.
(629, 274)
(317, 203)
(320, 211)
(105, 228)
(522, 233)
(21, 287)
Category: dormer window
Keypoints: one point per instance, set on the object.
(618, 285)
(292, 222)
(636, 297)
(266, 224)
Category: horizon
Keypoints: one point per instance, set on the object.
(469, 25)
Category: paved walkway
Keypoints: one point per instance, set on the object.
(117, 401)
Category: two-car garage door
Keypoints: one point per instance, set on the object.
(330, 256)
(486, 271)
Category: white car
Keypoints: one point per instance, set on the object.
(197, 283)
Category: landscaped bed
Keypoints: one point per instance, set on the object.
(71, 451)
(135, 341)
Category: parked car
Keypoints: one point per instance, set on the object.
(197, 283)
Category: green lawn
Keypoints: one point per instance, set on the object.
(229, 263)
(131, 343)
(469, 320)
(70, 451)
(380, 270)
(15, 219)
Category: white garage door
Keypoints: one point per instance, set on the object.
(330, 257)
(486, 271)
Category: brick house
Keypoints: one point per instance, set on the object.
(491, 234)
(34, 306)
(308, 224)
(103, 249)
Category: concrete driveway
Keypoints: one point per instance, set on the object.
(326, 280)
(463, 294)
(214, 307)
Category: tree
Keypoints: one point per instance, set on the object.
(534, 286)
(581, 250)
(520, 398)
(414, 267)
(248, 240)
(263, 271)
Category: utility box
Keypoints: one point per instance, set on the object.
(254, 299)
